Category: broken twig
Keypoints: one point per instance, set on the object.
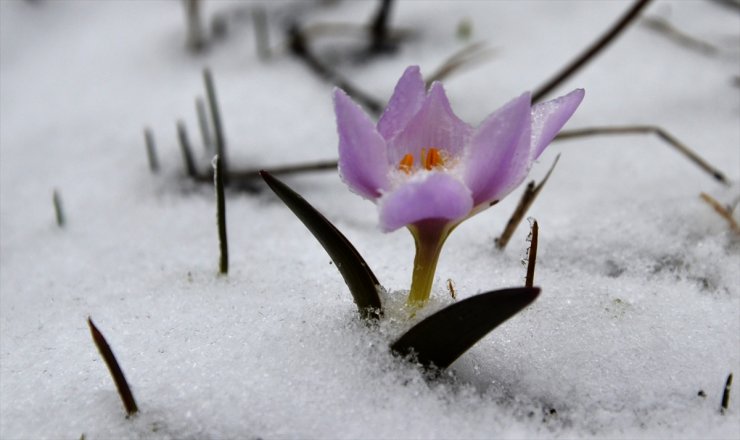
(724, 211)
(528, 197)
(532, 257)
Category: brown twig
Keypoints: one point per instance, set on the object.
(663, 27)
(247, 176)
(724, 211)
(299, 47)
(648, 129)
(261, 33)
(124, 391)
(731, 4)
(528, 197)
(532, 257)
(196, 40)
(466, 57)
(451, 288)
(591, 52)
(380, 40)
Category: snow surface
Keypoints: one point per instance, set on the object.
(640, 307)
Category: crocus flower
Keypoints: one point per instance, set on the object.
(428, 170)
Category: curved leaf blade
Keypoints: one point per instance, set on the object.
(444, 336)
(360, 279)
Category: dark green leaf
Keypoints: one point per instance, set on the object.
(360, 279)
(442, 337)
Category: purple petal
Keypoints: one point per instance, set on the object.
(434, 125)
(499, 155)
(549, 117)
(406, 101)
(435, 196)
(363, 159)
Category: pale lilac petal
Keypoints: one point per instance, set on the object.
(549, 117)
(499, 154)
(363, 160)
(434, 125)
(434, 196)
(407, 99)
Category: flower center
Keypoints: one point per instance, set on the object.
(429, 160)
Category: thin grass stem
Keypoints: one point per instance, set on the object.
(218, 179)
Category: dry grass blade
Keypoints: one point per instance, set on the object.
(648, 129)
(196, 39)
(218, 180)
(468, 56)
(205, 132)
(723, 211)
(186, 150)
(218, 133)
(115, 370)
(726, 394)
(528, 197)
(532, 258)
(261, 33)
(58, 210)
(151, 150)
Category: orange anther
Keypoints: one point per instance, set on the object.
(432, 159)
(407, 162)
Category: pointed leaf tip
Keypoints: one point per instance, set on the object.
(360, 279)
(444, 336)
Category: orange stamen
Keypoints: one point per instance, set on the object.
(433, 159)
(407, 162)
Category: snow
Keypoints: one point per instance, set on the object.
(640, 308)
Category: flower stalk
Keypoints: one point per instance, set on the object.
(429, 237)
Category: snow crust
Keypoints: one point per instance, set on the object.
(640, 309)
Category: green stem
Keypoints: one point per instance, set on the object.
(429, 236)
